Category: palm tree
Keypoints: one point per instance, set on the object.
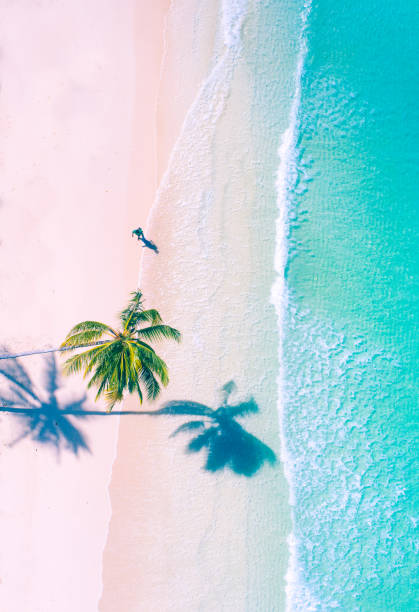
(124, 361)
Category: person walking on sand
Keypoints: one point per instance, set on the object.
(146, 243)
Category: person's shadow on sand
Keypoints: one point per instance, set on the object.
(227, 443)
(40, 415)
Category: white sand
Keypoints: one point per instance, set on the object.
(182, 538)
(78, 172)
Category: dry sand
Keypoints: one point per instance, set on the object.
(78, 172)
(143, 567)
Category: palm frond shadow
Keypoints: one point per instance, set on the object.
(41, 416)
(226, 442)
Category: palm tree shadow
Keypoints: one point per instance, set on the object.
(41, 416)
(227, 443)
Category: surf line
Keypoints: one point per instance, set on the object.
(285, 182)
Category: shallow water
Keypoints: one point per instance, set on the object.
(351, 321)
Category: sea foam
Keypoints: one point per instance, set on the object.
(298, 594)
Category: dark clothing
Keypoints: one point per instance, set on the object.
(138, 232)
(146, 243)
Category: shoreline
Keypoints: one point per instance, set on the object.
(181, 536)
(130, 559)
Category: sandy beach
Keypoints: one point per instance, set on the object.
(182, 537)
(111, 121)
(78, 174)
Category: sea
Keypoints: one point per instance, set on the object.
(288, 222)
(347, 297)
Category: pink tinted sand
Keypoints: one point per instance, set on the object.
(168, 527)
(78, 172)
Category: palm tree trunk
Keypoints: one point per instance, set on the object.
(54, 350)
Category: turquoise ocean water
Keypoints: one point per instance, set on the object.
(347, 196)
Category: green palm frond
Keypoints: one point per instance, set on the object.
(135, 306)
(159, 332)
(112, 398)
(135, 319)
(86, 325)
(116, 369)
(155, 363)
(102, 382)
(106, 364)
(100, 356)
(85, 332)
(150, 382)
(123, 377)
(150, 316)
(74, 364)
(140, 393)
(134, 356)
(82, 339)
(125, 362)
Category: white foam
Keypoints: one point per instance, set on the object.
(298, 596)
(202, 116)
(233, 13)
